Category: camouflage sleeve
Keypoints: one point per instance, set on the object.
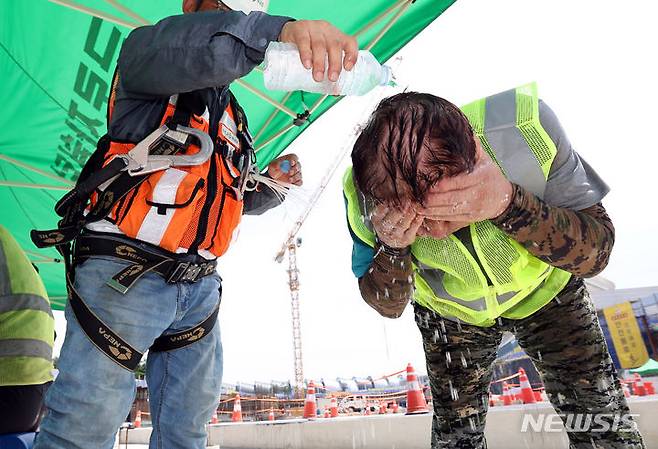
(579, 242)
(387, 286)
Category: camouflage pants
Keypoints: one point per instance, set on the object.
(566, 344)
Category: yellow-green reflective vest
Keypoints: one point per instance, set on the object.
(448, 278)
(26, 320)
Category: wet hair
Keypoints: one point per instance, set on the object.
(411, 141)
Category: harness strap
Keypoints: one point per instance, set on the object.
(186, 337)
(145, 257)
(100, 334)
(119, 350)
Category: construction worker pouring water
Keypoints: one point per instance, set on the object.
(153, 209)
(490, 221)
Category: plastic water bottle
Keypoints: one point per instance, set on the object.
(284, 71)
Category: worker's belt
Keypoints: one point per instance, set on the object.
(145, 258)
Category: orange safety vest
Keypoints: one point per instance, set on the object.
(183, 207)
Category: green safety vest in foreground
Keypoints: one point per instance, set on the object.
(508, 281)
(26, 320)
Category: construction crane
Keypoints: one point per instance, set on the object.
(290, 246)
(293, 282)
(292, 242)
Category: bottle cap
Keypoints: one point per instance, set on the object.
(387, 77)
(284, 166)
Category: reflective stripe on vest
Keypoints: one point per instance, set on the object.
(448, 278)
(25, 302)
(26, 347)
(157, 220)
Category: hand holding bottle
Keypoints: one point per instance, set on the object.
(320, 42)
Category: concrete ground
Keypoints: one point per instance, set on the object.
(503, 431)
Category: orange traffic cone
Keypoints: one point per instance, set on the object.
(396, 407)
(415, 398)
(326, 413)
(270, 415)
(638, 385)
(214, 419)
(333, 407)
(527, 395)
(310, 407)
(649, 388)
(138, 420)
(382, 408)
(236, 416)
(624, 386)
(507, 397)
(367, 412)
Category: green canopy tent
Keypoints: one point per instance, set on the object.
(648, 369)
(56, 61)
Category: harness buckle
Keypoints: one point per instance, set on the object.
(177, 272)
(190, 272)
(190, 275)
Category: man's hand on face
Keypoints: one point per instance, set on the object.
(286, 169)
(317, 41)
(479, 195)
(394, 227)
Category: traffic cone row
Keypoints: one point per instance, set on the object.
(641, 387)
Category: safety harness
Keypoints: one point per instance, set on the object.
(111, 182)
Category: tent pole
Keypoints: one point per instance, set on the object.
(379, 17)
(275, 136)
(271, 117)
(127, 11)
(94, 12)
(264, 97)
(33, 186)
(388, 26)
(35, 170)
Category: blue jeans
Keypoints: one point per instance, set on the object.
(92, 394)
